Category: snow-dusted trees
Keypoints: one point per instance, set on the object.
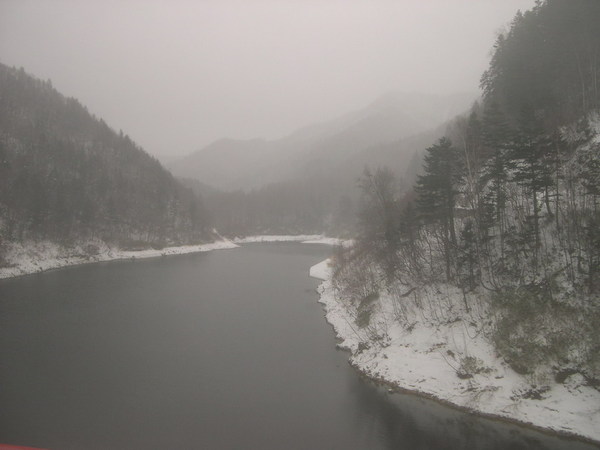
(510, 208)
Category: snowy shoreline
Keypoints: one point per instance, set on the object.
(420, 362)
(29, 258)
(411, 362)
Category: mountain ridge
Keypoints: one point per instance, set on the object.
(254, 163)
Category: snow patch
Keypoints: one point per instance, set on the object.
(328, 241)
(321, 271)
(277, 238)
(303, 238)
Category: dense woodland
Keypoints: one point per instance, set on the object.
(66, 176)
(324, 201)
(507, 206)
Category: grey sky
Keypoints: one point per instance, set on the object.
(176, 75)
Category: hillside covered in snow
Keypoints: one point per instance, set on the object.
(481, 287)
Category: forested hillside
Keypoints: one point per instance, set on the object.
(504, 222)
(65, 176)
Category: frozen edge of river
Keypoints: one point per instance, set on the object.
(415, 362)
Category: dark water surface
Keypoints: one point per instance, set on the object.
(219, 350)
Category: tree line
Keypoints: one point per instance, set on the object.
(66, 176)
(513, 187)
(508, 202)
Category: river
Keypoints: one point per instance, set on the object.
(220, 350)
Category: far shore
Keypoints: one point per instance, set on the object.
(30, 258)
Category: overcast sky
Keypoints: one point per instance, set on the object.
(176, 75)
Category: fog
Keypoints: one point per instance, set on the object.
(176, 76)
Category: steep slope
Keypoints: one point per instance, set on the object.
(66, 176)
(481, 287)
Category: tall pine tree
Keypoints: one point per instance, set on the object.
(437, 191)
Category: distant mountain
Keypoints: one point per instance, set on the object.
(226, 163)
(66, 176)
(244, 164)
(308, 182)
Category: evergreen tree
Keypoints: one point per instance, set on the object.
(497, 139)
(532, 165)
(437, 191)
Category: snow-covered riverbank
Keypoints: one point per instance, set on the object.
(426, 358)
(28, 258)
(31, 257)
(304, 238)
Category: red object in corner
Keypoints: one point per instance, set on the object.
(17, 447)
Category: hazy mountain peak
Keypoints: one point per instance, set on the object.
(243, 164)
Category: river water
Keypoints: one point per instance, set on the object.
(220, 350)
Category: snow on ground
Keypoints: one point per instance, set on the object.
(321, 271)
(304, 238)
(329, 241)
(31, 257)
(277, 238)
(427, 358)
